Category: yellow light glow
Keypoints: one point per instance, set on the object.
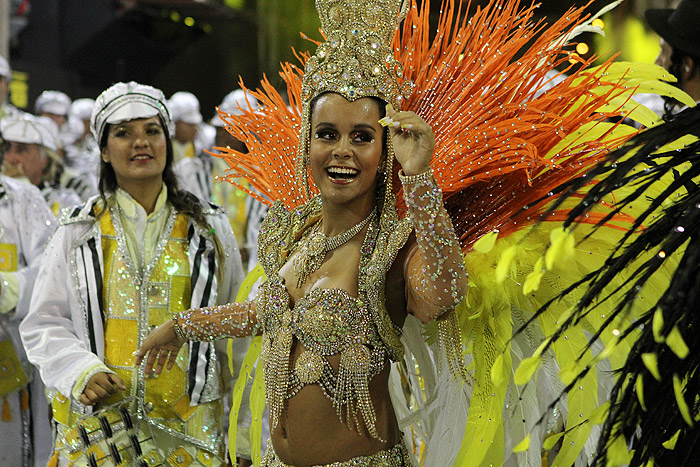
(599, 23)
(573, 56)
(582, 48)
(175, 16)
(189, 21)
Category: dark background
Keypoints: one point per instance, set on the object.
(82, 46)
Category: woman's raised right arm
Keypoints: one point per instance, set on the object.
(198, 324)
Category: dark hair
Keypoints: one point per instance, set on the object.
(675, 67)
(183, 201)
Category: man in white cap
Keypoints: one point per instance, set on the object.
(193, 166)
(238, 204)
(26, 223)
(5, 75)
(56, 106)
(31, 154)
(53, 104)
(83, 156)
(190, 137)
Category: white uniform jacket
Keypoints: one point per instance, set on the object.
(63, 332)
(26, 224)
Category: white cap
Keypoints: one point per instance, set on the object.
(5, 70)
(184, 107)
(234, 103)
(82, 109)
(54, 102)
(128, 101)
(26, 128)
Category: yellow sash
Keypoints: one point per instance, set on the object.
(12, 376)
(168, 293)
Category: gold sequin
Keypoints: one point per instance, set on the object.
(309, 367)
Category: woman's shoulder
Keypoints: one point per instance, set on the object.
(281, 219)
(84, 213)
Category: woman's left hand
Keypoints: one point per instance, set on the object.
(413, 140)
(162, 345)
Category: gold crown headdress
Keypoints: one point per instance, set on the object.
(355, 61)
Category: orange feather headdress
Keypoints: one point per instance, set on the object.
(506, 136)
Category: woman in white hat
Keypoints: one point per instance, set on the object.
(122, 264)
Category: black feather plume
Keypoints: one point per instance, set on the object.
(650, 427)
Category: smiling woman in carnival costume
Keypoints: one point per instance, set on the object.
(349, 269)
(118, 266)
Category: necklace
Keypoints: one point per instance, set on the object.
(313, 248)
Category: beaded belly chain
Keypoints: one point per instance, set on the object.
(326, 322)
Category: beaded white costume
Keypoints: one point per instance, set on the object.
(89, 278)
(26, 224)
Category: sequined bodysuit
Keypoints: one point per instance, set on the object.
(354, 334)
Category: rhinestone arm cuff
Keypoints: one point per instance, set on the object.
(217, 322)
(436, 276)
(411, 179)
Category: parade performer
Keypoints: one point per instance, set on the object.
(117, 267)
(26, 224)
(503, 138)
(32, 156)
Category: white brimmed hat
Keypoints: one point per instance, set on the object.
(234, 103)
(184, 107)
(54, 102)
(127, 101)
(5, 70)
(82, 108)
(26, 128)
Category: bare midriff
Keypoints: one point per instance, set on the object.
(310, 432)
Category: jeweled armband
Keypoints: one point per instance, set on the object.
(422, 192)
(426, 176)
(216, 322)
(178, 330)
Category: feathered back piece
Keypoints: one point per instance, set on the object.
(654, 402)
(506, 135)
